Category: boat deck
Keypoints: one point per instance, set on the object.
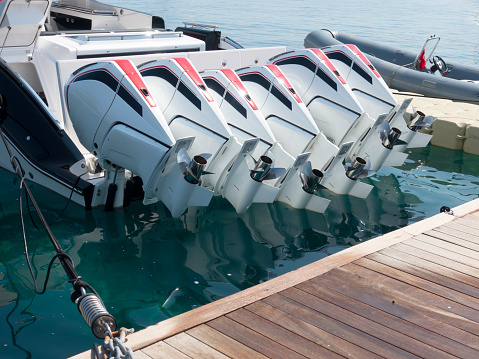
(410, 293)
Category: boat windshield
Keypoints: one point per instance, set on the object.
(426, 52)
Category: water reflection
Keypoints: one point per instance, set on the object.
(148, 266)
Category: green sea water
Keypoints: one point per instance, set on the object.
(148, 266)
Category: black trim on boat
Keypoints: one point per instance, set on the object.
(162, 72)
(336, 55)
(215, 86)
(282, 98)
(109, 80)
(256, 78)
(33, 132)
(359, 70)
(190, 95)
(328, 80)
(298, 60)
(264, 82)
(236, 104)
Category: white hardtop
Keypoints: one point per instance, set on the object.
(128, 43)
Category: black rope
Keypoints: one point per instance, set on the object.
(61, 212)
(58, 255)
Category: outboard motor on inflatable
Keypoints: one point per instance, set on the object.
(191, 110)
(116, 118)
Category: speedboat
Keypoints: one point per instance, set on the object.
(96, 106)
(421, 72)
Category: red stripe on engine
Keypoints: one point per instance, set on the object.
(279, 74)
(132, 72)
(328, 63)
(233, 77)
(358, 52)
(195, 76)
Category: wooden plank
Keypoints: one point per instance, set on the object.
(252, 339)
(459, 258)
(339, 329)
(469, 221)
(364, 324)
(433, 295)
(193, 348)
(469, 284)
(281, 335)
(458, 290)
(454, 233)
(434, 258)
(416, 306)
(310, 332)
(162, 350)
(223, 343)
(460, 228)
(363, 297)
(140, 355)
(455, 240)
(446, 245)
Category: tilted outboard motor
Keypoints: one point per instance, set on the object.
(294, 127)
(348, 121)
(359, 168)
(116, 118)
(241, 191)
(191, 110)
(374, 95)
(364, 80)
(245, 119)
(389, 136)
(329, 99)
(410, 124)
(303, 176)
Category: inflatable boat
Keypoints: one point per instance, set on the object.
(423, 72)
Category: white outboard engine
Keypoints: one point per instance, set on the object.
(117, 120)
(294, 127)
(191, 110)
(364, 80)
(333, 104)
(376, 98)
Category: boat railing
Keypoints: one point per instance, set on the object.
(199, 26)
(84, 10)
(122, 34)
(232, 42)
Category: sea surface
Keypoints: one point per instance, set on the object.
(148, 267)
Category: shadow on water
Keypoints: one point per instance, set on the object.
(148, 266)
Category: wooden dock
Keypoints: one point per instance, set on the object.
(412, 293)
